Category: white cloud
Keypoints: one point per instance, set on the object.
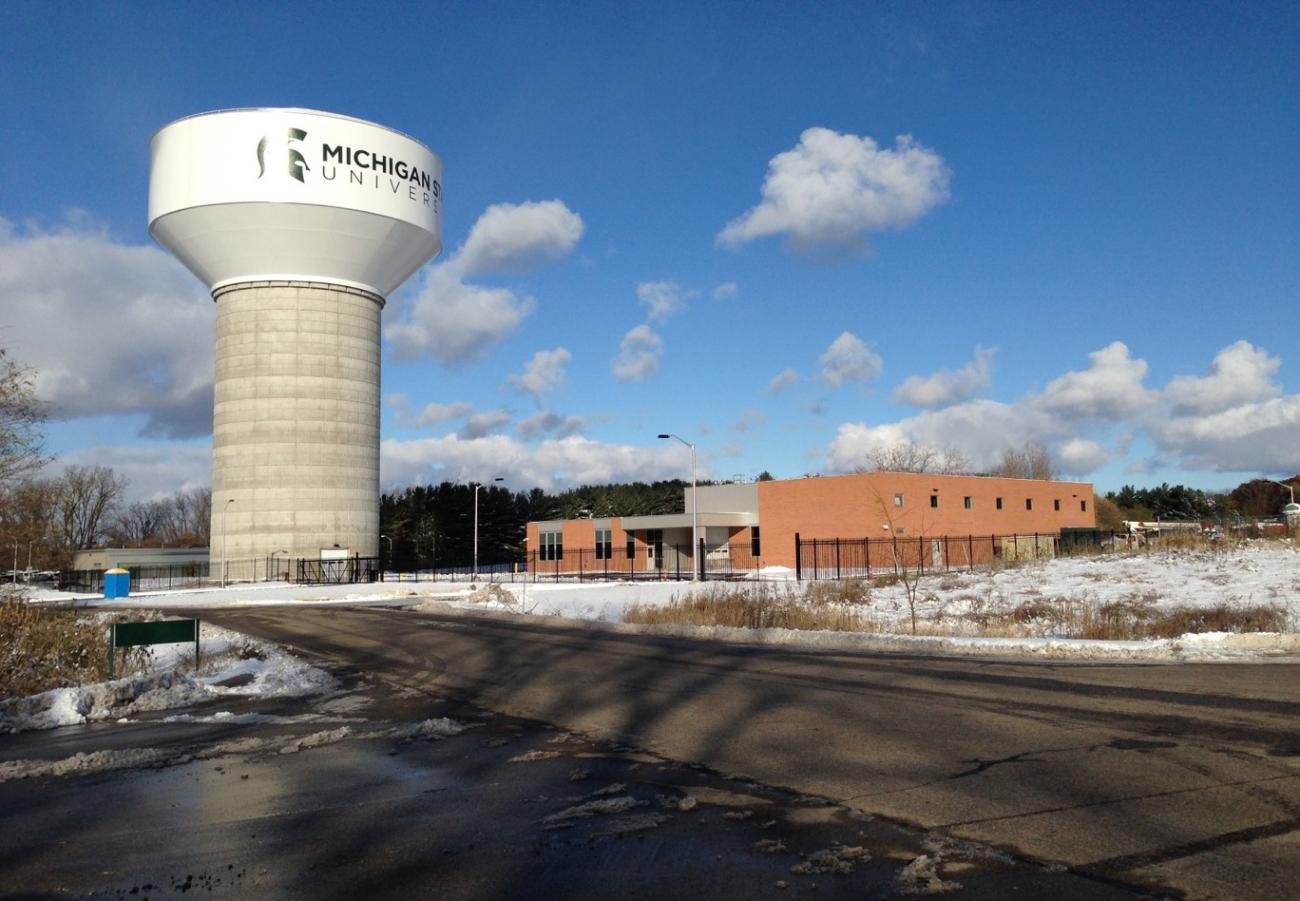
(662, 299)
(1081, 456)
(514, 238)
(543, 373)
(638, 355)
(545, 422)
(946, 387)
(555, 463)
(455, 322)
(1258, 437)
(1111, 387)
(726, 291)
(1240, 374)
(110, 328)
(782, 380)
(830, 189)
(980, 429)
(481, 425)
(430, 414)
(849, 360)
(152, 472)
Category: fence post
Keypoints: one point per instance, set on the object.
(798, 558)
(816, 560)
(699, 561)
(866, 550)
(970, 552)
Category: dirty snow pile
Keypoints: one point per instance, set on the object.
(231, 665)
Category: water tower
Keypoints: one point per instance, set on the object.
(301, 223)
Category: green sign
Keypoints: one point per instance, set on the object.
(163, 631)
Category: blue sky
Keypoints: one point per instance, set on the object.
(1086, 234)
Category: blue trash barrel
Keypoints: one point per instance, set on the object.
(117, 583)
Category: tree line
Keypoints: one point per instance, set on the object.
(433, 525)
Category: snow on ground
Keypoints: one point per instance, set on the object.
(258, 594)
(231, 665)
(1260, 573)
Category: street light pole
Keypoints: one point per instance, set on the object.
(224, 561)
(477, 486)
(695, 511)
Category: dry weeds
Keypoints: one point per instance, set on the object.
(45, 649)
(761, 606)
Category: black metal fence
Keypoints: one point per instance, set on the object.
(857, 558)
(143, 578)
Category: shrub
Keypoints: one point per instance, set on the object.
(45, 649)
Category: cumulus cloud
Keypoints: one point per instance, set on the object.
(553, 464)
(1259, 437)
(662, 299)
(515, 238)
(545, 422)
(430, 414)
(1230, 420)
(1111, 387)
(543, 373)
(782, 380)
(638, 355)
(110, 328)
(946, 387)
(1240, 374)
(1081, 456)
(980, 429)
(456, 322)
(831, 189)
(481, 425)
(726, 291)
(849, 360)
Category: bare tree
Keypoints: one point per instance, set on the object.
(1030, 461)
(21, 416)
(906, 456)
(86, 499)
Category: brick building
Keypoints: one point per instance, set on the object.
(757, 522)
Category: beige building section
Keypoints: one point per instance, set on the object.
(296, 420)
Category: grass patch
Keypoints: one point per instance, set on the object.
(763, 606)
(1134, 618)
(44, 649)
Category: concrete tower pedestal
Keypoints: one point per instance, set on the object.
(296, 420)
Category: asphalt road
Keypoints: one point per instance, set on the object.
(1179, 778)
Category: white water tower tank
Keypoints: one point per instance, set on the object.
(301, 223)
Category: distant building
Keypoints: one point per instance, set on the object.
(102, 558)
(759, 521)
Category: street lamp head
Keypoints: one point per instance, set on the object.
(665, 436)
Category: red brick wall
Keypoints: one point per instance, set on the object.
(862, 506)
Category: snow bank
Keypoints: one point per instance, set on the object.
(261, 669)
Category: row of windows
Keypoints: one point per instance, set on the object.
(551, 544)
(968, 504)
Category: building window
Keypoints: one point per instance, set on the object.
(966, 503)
(552, 545)
(604, 545)
(753, 541)
(934, 501)
(1056, 505)
(898, 500)
(631, 546)
(1083, 506)
(999, 503)
(1029, 503)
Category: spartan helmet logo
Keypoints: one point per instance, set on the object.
(295, 162)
